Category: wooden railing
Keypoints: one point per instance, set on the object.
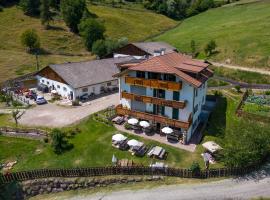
(136, 170)
(160, 119)
(154, 100)
(158, 84)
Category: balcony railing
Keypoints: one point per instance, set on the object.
(154, 100)
(158, 84)
(120, 110)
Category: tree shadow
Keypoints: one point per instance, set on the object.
(217, 121)
(12, 191)
(55, 28)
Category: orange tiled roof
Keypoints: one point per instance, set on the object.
(178, 64)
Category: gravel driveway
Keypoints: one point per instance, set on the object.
(52, 115)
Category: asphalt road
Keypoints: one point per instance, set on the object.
(251, 186)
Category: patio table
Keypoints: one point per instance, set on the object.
(157, 151)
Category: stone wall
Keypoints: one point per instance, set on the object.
(53, 185)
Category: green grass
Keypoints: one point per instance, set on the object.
(241, 76)
(92, 147)
(60, 44)
(215, 83)
(262, 110)
(240, 31)
(133, 24)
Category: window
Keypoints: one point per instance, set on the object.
(169, 77)
(175, 113)
(176, 95)
(85, 90)
(195, 109)
(196, 92)
(58, 86)
(152, 75)
(42, 81)
(140, 74)
(48, 83)
(65, 89)
(109, 84)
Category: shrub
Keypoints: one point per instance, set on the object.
(59, 141)
(210, 48)
(127, 126)
(75, 102)
(267, 92)
(16, 103)
(1, 8)
(46, 140)
(195, 167)
(238, 88)
(30, 7)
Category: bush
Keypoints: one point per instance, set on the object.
(195, 167)
(127, 126)
(59, 141)
(30, 7)
(46, 140)
(267, 92)
(16, 104)
(238, 88)
(246, 144)
(75, 102)
(1, 8)
(210, 48)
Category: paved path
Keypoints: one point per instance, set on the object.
(52, 115)
(251, 186)
(249, 69)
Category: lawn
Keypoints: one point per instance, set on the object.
(92, 147)
(59, 44)
(240, 31)
(136, 25)
(241, 76)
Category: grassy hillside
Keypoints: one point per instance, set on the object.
(134, 24)
(61, 45)
(241, 33)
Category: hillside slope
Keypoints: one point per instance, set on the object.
(242, 33)
(59, 44)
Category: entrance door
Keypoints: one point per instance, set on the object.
(71, 95)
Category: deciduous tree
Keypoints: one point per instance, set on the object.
(30, 40)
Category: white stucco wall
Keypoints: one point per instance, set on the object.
(95, 88)
(59, 87)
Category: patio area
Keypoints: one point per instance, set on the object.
(158, 138)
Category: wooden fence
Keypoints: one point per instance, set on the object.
(111, 170)
(241, 103)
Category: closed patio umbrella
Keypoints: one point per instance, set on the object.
(144, 124)
(114, 159)
(167, 130)
(133, 121)
(118, 137)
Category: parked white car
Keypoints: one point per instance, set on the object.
(40, 100)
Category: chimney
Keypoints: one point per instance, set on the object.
(162, 51)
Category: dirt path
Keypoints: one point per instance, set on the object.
(251, 69)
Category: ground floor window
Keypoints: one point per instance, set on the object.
(109, 84)
(85, 90)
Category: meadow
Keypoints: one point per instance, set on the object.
(59, 45)
(241, 32)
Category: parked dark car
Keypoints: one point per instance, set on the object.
(43, 88)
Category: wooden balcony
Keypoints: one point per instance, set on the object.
(154, 100)
(156, 118)
(158, 84)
